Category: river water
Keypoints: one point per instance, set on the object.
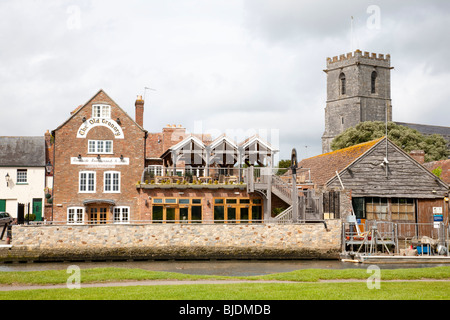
(212, 267)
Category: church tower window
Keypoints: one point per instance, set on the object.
(342, 82)
(373, 82)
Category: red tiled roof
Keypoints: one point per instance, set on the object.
(324, 166)
(444, 164)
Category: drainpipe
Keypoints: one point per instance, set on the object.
(54, 166)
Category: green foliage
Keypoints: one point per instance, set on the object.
(277, 211)
(283, 164)
(406, 138)
(437, 172)
(30, 217)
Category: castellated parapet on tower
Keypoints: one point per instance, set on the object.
(358, 90)
(359, 57)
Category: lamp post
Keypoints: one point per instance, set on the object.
(7, 179)
(294, 165)
(48, 167)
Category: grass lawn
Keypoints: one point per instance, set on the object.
(247, 291)
(308, 287)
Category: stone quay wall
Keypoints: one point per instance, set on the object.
(175, 241)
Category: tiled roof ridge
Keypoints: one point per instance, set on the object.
(344, 150)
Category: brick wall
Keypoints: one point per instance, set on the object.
(207, 195)
(67, 145)
(154, 145)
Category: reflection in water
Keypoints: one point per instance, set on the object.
(219, 267)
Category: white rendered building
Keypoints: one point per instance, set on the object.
(22, 176)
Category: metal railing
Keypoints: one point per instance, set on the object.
(192, 175)
(395, 234)
(258, 175)
(417, 230)
(377, 236)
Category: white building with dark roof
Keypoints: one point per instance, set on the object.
(22, 169)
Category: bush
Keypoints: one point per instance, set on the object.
(408, 139)
(30, 217)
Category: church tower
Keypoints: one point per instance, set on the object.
(358, 90)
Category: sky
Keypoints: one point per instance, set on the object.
(237, 67)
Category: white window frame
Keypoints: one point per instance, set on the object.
(157, 170)
(102, 111)
(87, 181)
(108, 182)
(120, 211)
(78, 212)
(22, 176)
(96, 147)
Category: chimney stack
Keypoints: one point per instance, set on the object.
(139, 117)
(418, 155)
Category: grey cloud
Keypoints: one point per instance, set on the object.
(231, 64)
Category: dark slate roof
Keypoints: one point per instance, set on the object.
(22, 151)
(427, 129)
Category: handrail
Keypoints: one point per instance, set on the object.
(281, 185)
(285, 216)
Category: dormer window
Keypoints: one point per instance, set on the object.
(101, 111)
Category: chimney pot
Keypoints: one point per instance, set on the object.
(139, 111)
(418, 155)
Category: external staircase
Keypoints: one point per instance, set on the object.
(262, 180)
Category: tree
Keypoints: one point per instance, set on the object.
(283, 164)
(408, 139)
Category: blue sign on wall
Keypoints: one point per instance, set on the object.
(438, 217)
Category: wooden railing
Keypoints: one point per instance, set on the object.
(285, 216)
(282, 189)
